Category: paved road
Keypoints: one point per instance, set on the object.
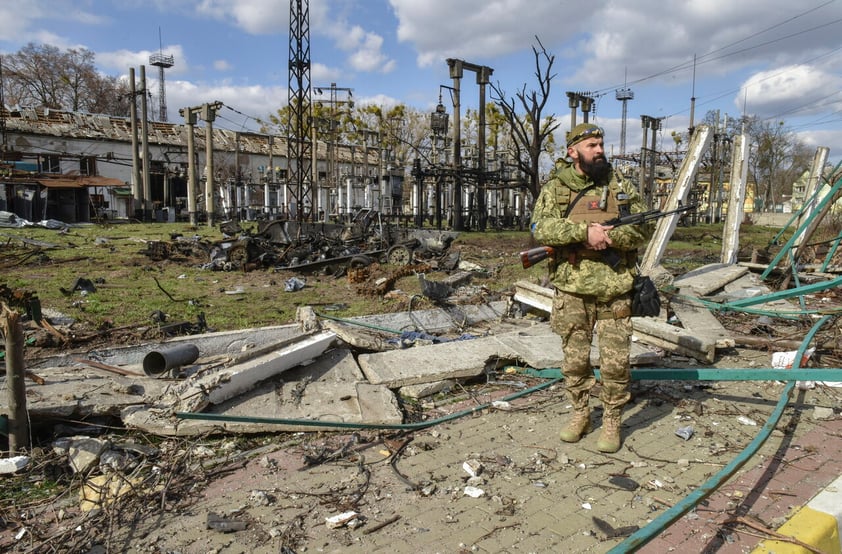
(539, 495)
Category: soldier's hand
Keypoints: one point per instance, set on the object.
(598, 238)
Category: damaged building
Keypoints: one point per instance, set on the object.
(79, 167)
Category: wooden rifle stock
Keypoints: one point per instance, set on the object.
(530, 257)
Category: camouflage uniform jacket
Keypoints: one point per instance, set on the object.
(588, 275)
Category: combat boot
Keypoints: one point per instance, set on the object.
(578, 426)
(609, 438)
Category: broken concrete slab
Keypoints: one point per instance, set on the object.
(424, 390)
(534, 295)
(699, 321)
(709, 278)
(536, 346)
(675, 339)
(445, 318)
(84, 392)
(76, 388)
(750, 286)
(647, 329)
(215, 386)
(331, 389)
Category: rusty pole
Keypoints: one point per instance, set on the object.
(18, 420)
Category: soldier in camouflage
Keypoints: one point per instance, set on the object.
(592, 272)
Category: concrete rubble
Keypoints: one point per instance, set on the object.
(355, 371)
(324, 373)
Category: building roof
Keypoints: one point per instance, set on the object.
(81, 125)
(67, 180)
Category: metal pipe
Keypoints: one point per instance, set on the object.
(158, 362)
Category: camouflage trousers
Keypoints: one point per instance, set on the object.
(575, 318)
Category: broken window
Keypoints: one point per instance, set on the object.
(49, 164)
(87, 165)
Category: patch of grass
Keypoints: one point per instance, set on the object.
(131, 286)
(21, 490)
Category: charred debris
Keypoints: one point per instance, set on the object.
(310, 246)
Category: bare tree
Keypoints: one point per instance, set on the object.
(777, 158)
(44, 76)
(530, 132)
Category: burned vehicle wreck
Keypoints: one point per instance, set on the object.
(313, 246)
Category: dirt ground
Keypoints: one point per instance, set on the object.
(488, 474)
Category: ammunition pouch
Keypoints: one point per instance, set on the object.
(646, 301)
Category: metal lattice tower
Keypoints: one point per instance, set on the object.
(162, 62)
(2, 117)
(624, 95)
(299, 145)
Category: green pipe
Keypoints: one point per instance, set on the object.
(793, 315)
(712, 374)
(346, 425)
(789, 293)
(555, 375)
(657, 526)
(831, 194)
(831, 252)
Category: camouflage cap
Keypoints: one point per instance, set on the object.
(582, 131)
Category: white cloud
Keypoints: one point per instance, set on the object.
(369, 57)
(222, 65)
(258, 17)
(365, 47)
(253, 102)
(790, 90)
(122, 60)
(320, 73)
(479, 29)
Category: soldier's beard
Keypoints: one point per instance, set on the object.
(597, 169)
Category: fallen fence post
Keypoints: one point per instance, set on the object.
(15, 373)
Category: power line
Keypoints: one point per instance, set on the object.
(767, 78)
(707, 58)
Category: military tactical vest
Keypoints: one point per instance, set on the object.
(594, 204)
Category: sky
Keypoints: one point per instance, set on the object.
(775, 59)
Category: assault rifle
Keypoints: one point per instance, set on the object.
(530, 257)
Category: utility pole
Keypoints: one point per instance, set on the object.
(656, 125)
(483, 75)
(483, 78)
(647, 182)
(270, 182)
(144, 137)
(574, 100)
(208, 114)
(189, 115)
(137, 188)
